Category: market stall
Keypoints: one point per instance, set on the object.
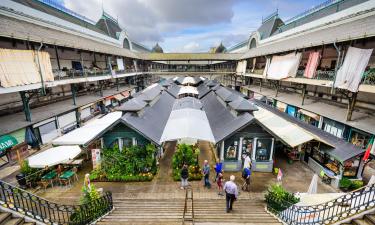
(54, 156)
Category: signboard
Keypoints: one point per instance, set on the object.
(96, 158)
(6, 142)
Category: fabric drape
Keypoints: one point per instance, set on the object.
(350, 73)
(312, 64)
(268, 62)
(284, 66)
(254, 62)
(241, 67)
(20, 67)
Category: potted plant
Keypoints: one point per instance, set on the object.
(345, 184)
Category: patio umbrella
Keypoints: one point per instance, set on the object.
(30, 138)
(54, 156)
(313, 188)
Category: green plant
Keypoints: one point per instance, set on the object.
(278, 199)
(345, 183)
(89, 194)
(356, 184)
(33, 175)
(185, 154)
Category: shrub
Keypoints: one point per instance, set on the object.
(278, 199)
(356, 184)
(345, 183)
(33, 175)
(185, 154)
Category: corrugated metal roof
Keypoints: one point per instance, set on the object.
(335, 31)
(223, 123)
(241, 104)
(133, 105)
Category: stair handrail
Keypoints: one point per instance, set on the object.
(333, 211)
(49, 212)
(185, 206)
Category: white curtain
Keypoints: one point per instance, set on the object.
(268, 61)
(350, 73)
(120, 64)
(20, 67)
(284, 66)
(241, 67)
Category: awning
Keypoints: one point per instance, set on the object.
(310, 114)
(119, 97)
(84, 135)
(7, 141)
(187, 124)
(283, 129)
(188, 90)
(54, 156)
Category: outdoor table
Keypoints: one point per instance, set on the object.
(76, 162)
(67, 175)
(49, 177)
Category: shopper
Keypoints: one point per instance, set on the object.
(219, 181)
(218, 168)
(206, 174)
(246, 173)
(231, 193)
(184, 176)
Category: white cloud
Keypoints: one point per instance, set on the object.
(190, 47)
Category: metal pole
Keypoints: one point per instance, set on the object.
(40, 69)
(57, 58)
(117, 84)
(338, 50)
(303, 94)
(351, 106)
(74, 94)
(26, 105)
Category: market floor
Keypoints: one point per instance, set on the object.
(296, 178)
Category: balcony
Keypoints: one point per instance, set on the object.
(71, 74)
(320, 75)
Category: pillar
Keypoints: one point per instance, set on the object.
(26, 106)
(254, 148)
(222, 151)
(74, 93)
(78, 118)
(240, 149)
(57, 58)
(351, 105)
(117, 84)
(303, 94)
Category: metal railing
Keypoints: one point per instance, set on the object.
(188, 196)
(49, 212)
(320, 75)
(346, 206)
(369, 77)
(71, 74)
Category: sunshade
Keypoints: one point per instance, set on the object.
(54, 156)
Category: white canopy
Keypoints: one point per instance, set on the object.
(187, 124)
(87, 133)
(288, 132)
(54, 156)
(188, 90)
(188, 80)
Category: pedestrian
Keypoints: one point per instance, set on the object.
(219, 181)
(231, 193)
(184, 176)
(206, 174)
(218, 168)
(247, 161)
(246, 176)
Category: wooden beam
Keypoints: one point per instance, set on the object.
(351, 105)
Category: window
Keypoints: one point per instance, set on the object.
(263, 149)
(247, 146)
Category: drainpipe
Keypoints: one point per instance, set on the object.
(40, 69)
(338, 50)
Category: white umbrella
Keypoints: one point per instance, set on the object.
(54, 156)
(313, 188)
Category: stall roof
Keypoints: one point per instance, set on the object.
(187, 123)
(152, 121)
(341, 150)
(89, 132)
(241, 104)
(132, 105)
(223, 123)
(54, 156)
(174, 89)
(188, 90)
(288, 132)
(203, 90)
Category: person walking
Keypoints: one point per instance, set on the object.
(246, 176)
(231, 193)
(218, 168)
(184, 176)
(219, 181)
(206, 174)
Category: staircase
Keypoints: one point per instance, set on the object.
(368, 219)
(170, 211)
(7, 219)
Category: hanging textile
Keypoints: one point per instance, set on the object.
(241, 67)
(268, 61)
(20, 67)
(350, 73)
(120, 64)
(312, 64)
(284, 66)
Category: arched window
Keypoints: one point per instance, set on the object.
(126, 44)
(253, 43)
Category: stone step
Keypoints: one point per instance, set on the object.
(14, 221)
(370, 218)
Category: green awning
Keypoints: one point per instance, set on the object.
(6, 142)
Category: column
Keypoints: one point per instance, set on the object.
(74, 94)
(26, 105)
(271, 154)
(254, 148)
(222, 151)
(240, 149)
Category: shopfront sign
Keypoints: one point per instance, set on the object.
(6, 142)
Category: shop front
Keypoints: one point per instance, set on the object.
(335, 128)
(308, 117)
(281, 106)
(359, 138)
(252, 141)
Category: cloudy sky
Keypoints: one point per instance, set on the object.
(189, 25)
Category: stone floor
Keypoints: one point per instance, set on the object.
(297, 178)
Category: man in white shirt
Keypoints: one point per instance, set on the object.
(231, 192)
(247, 161)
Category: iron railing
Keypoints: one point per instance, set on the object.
(346, 206)
(319, 75)
(188, 196)
(49, 212)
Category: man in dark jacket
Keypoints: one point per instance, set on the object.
(184, 176)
